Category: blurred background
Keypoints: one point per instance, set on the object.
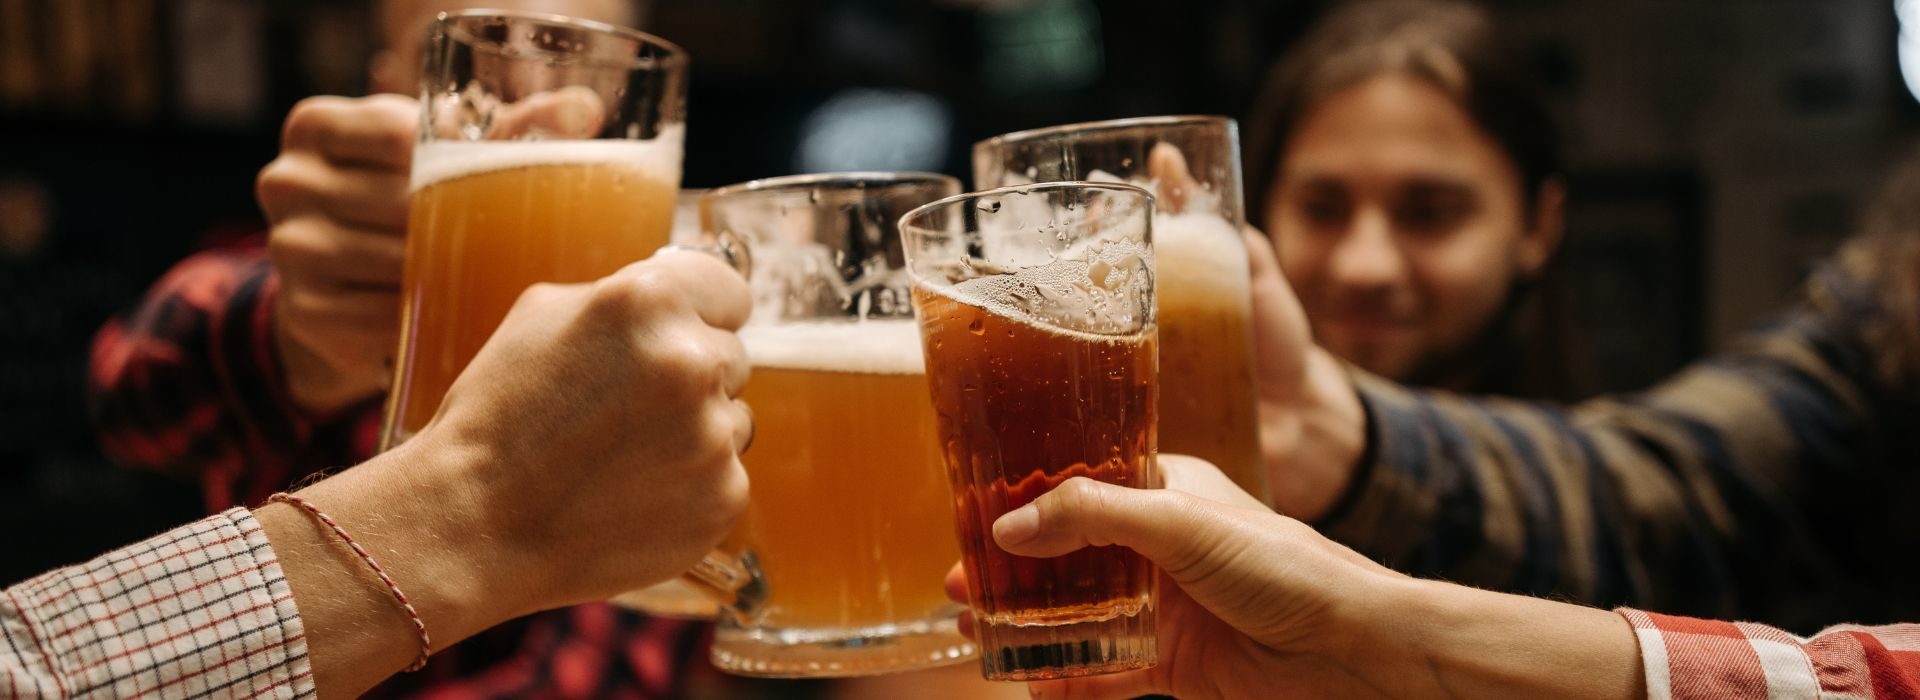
(1717, 149)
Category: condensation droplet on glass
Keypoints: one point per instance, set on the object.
(977, 326)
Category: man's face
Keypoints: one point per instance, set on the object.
(403, 26)
(1400, 223)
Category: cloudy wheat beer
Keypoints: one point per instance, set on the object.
(489, 219)
(1041, 363)
(550, 152)
(1208, 401)
(850, 524)
(848, 520)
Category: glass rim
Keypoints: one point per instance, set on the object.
(673, 55)
(922, 210)
(1100, 126)
(786, 184)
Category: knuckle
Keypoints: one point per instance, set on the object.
(284, 178)
(691, 363)
(1076, 498)
(311, 117)
(622, 294)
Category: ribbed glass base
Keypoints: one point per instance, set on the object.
(837, 653)
(1066, 649)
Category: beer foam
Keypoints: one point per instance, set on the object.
(889, 346)
(439, 161)
(1200, 248)
(1101, 294)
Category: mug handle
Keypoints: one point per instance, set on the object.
(731, 579)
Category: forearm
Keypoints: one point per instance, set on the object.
(1430, 639)
(357, 633)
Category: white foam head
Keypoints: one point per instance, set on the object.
(438, 161)
(1202, 247)
(890, 346)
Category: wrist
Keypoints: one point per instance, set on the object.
(1321, 437)
(1421, 638)
(415, 511)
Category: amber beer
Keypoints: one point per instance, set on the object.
(849, 518)
(490, 218)
(1024, 408)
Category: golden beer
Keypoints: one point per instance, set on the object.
(489, 219)
(1208, 389)
(849, 518)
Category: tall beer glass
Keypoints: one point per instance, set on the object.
(849, 523)
(549, 151)
(1036, 309)
(1207, 399)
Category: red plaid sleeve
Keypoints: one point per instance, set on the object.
(189, 383)
(201, 611)
(1688, 658)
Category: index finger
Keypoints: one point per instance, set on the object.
(375, 131)
(718, 294)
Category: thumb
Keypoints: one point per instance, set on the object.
(1167, 166)
(572, 112)
(1280, 330)
(1164, 526)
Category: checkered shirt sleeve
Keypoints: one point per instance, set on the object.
(201, 611)
(1692, 659)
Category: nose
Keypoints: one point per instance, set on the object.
(1366, 258)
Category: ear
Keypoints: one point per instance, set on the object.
(1544, 232)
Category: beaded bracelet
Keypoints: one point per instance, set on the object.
(426, 644)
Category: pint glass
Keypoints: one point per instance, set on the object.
(848, 524)
(1036, 309)
(549, 151)
(1207, 397)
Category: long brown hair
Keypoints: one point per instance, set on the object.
(1886, 256)
(1452, 45)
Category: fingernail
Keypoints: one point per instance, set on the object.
(1017, 526)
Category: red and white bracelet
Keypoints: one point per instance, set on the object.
(426, 643)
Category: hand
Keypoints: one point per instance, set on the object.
(1246, 600)
(1256, 604)
(590, 448)
(1312, 427)
(604, 424)
(336, 199)
(336, 202)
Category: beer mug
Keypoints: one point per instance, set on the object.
(1208, 405)
(848, 524)
(1036, 308)
(549, 151)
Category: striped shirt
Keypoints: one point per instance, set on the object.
(1692, 659)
